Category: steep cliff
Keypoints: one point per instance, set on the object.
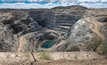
(74, 28)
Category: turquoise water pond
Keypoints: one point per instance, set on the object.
(48, 44)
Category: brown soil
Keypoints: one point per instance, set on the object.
(60, 62)
(69, 58)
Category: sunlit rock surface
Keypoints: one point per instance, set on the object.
(70, 28)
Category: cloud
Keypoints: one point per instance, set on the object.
(50, 5)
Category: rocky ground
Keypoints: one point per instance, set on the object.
(73, 28)
(53, 58)
(61, 62)
(61, 29)
(21, 28)
(70, 27)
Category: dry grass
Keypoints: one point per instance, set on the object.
(44, 56)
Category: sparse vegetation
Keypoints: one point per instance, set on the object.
(95, 42)
(44, 55)
(104, 48)
(27, 55)
(98, 45)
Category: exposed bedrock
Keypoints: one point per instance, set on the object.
(35, 41)
(60, 20)
(63, 29)
(78, 37)
(85, 35)
(11, 29)
(102, 19)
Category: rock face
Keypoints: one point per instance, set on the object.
(57, 29)
(11, 29)
(102, 19)
(80, 35)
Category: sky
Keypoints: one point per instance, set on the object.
(28, 4)
(54, 0)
